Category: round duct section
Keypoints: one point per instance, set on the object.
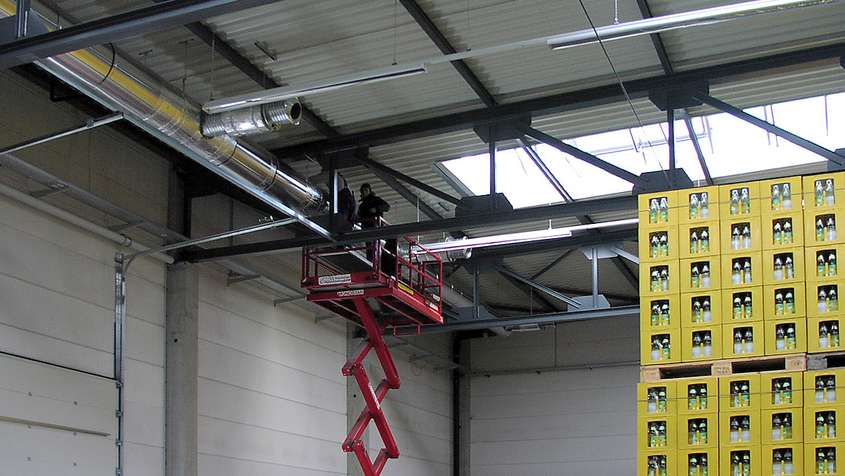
(253, 120)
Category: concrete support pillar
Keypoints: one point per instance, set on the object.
(181, 331)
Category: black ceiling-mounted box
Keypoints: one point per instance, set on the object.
(678, 97)
(481, 204)
(503, 130)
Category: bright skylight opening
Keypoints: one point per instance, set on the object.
(730, 146)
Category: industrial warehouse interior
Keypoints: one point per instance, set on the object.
(422, 237)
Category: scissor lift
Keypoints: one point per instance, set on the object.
(378, 287)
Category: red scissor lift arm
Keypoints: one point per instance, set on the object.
(351, 281)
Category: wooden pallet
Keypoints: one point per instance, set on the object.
(827, 360)
(724, 367)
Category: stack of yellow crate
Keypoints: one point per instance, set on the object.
(659, 278)
(784, 302)
(741, 263)
(698, 426)
(701, 282)
(781, 417)
(824, 202)
(824, 435)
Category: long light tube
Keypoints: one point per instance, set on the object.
(521, 237)
(323, 86)
(659, 24)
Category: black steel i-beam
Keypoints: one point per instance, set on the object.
(583, 156)
(111, 29)
(769, 127)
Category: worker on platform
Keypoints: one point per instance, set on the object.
(370, 212)
(372, 207)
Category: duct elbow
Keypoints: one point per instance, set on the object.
(253, 120)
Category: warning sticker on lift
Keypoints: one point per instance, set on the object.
(334, 279)
(351, 292)
(405, 288)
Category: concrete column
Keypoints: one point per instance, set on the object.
(465, 413)
(181, 330)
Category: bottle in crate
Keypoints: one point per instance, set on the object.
(783, 266)
(782, 390)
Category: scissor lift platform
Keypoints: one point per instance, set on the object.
(378, 287)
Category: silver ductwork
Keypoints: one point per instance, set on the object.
(168, 115)
(252, 120)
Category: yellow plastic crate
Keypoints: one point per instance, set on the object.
(739, 392)
(783, 230)
(658, 313)
(824, 191)
(737, 302)
(657, 244)
(822, 227)
(697, 395)
(823, 299)
(786, 336)
(660, 355)
(783, 266)
(694, 343)
(784, 301)
(824, 387)
(739, 199)
(698, 462)
(781, 195)
(654, 399)
(783, 459)
(698, 431)
(823, 334)
(822, 263)
(657, 433)
(658, 209)
(782, 426)
(701, 309)
(823, 423)
(650, 463)
(748, 460)
(701, 274)
(741, 271)
(749, 344)
(824, 459)
(781, 390)
(699, 239)
(741, 428)
(698, 204)
(741, 235)
(660, 278)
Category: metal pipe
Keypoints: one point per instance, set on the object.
(86, 225)
(670, 120)
(166, 114)
(208, 239)
(595, 264)
(706, 16)
(90, 124)
(22, 18)
(253, 120)
(119, 358)
(492, 153)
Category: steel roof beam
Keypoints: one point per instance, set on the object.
(597, 96)
(373, 165)
(769, 127)
(112, 29)
(446, 48)
(521, 215)
(583, 156)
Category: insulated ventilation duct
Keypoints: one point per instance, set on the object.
(169, 116)
(253, 120)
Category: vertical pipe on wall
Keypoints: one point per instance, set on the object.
(595, 264)
(670, 118)
(119, 342)
(492, 152)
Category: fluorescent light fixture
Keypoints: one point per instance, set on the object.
(522, 237)
(674, 21)
(289, 92)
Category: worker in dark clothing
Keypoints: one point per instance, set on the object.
(372, 207)
(370, 212)
(346, 206)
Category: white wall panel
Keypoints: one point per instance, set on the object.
(271, 396)
(560, 401)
